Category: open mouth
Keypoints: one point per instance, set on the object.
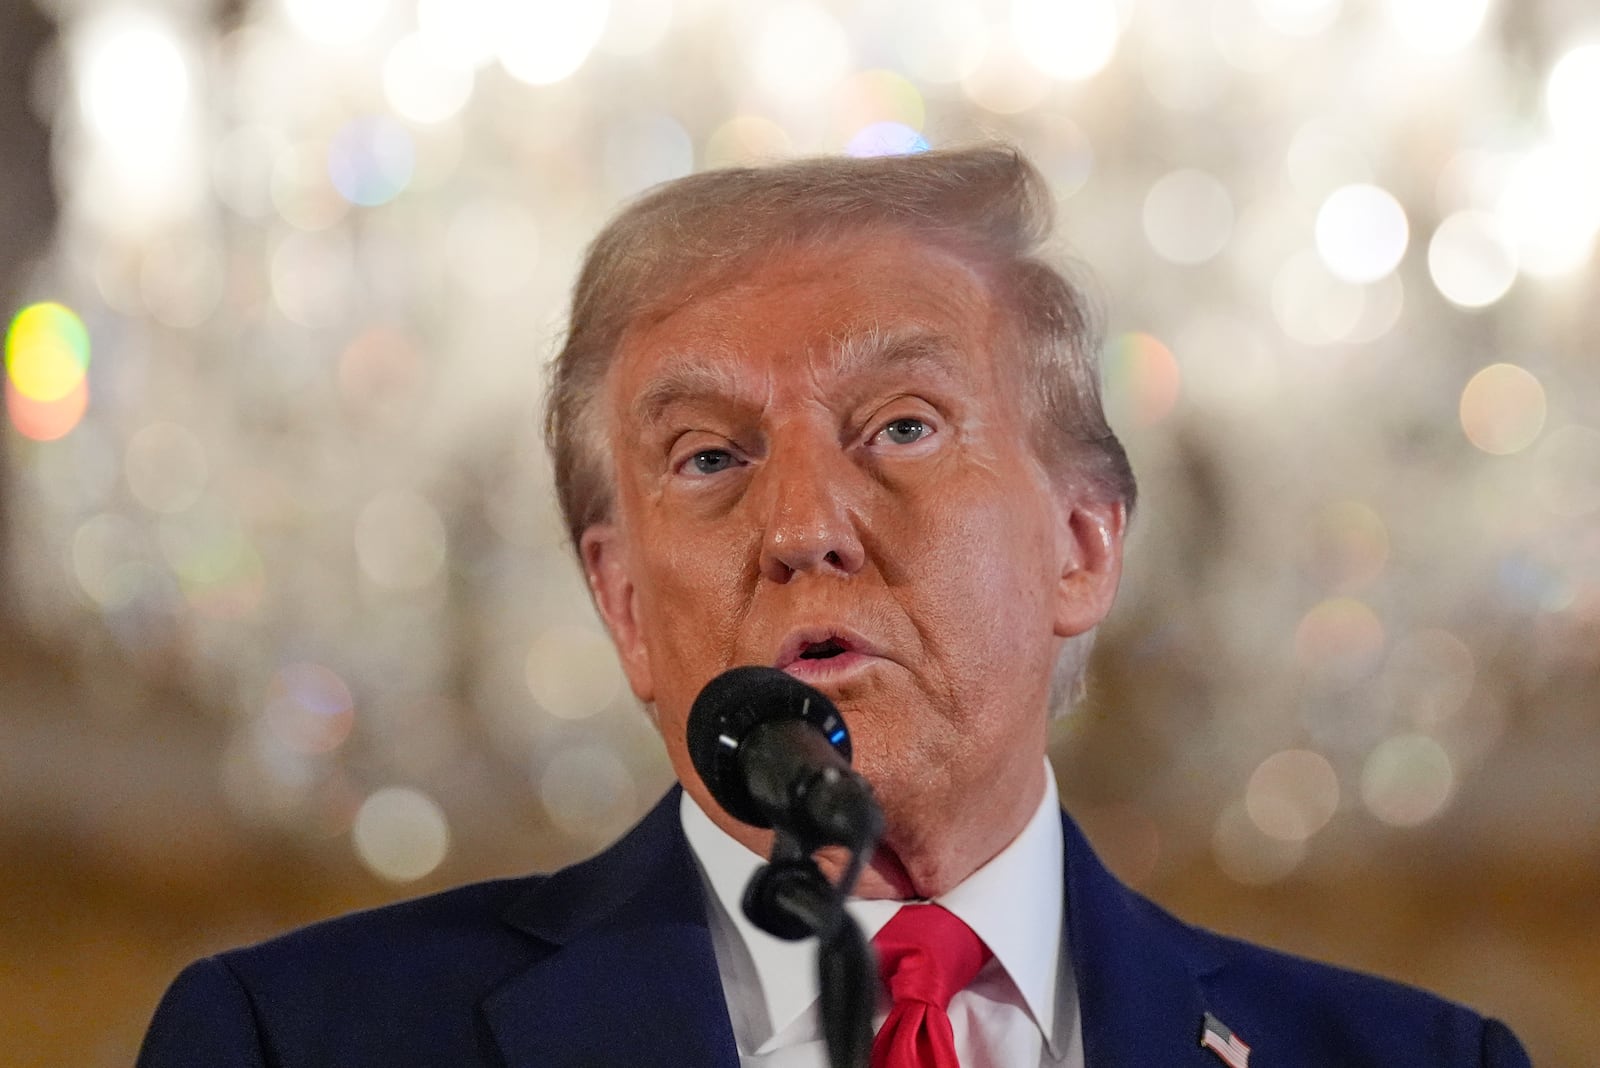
(823, 650)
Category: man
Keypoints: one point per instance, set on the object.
(839, 418)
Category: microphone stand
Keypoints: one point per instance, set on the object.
(790, 899)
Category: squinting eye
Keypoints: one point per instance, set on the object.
(905, 431)
(710, 461)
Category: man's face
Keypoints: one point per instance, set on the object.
(824, 466)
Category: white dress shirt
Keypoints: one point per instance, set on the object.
(1022, 1009)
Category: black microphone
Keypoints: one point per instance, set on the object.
(775, 752)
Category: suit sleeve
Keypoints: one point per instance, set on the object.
(205, 1020)
(1501, 1048)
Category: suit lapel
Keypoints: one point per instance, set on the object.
(1137, 970)
(630, 976)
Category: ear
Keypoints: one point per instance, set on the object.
(608, 569)
(1090, 533)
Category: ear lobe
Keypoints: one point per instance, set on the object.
(607, 568)
(1092, 531)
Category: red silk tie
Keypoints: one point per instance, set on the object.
(925, 955)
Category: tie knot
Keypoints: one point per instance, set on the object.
(925, 953)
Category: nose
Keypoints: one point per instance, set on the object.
(811, 525)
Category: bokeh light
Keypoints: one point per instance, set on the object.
(166, 467)
(1005, 82)
(745, 140)
(1428, 677)
(1550, 211)
(1339, 641)
(309, 708)
(1249, 856)
(462, 32)
(424, 82)
(1382, 304)
(1313, 306)
(370, 160)
(944, 42)
(1188, 216)
(313, 278)
(242, 168)
(46, 364)
(1437, 27)
(302, 188)
(886, 139)
(1247, 41)
(336, 22)
(1361, 233)
(1349, 545)
(134, 84)
(1299, 18)
(798, 52)
(1068, 39)
(400, 540)
(1292, 794)
(635, 27)
(1502, 409)
(1142, 380)
(1469, 260)
(1322, 157)
(879, 96)
(1407, 780)
(543, 41)
(46, 420)
(1066, 157)
(219, 569)
(588, 792)
(400, 834)
(380, 370)
(46, 351)
(1183, 78)
(107, 559)
(1569, 96)
(572, 672)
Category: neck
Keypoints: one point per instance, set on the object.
(918, 859)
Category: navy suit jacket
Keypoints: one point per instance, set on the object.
(609, 963)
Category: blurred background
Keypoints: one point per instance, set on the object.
(287, 625)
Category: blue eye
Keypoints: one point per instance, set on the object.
(710, 461)
(905, 431)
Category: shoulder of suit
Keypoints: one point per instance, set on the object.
(411, 936)
(1329, 1010)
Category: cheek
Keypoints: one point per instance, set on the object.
(985, 562)
(691, 602)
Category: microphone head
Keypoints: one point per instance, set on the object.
(734, 703)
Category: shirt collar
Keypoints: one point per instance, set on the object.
(1014, 903)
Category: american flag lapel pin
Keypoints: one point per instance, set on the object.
(1215, 1036)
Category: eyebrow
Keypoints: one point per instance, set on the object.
(876, 351)
(688, 378)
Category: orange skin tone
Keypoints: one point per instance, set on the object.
(773, 487)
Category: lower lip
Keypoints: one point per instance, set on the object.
(830, 669)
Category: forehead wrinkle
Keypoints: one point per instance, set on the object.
(851, 355)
